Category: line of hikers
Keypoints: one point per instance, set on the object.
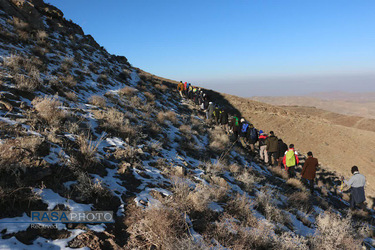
(272, 150)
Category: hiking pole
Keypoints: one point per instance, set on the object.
(226, 152)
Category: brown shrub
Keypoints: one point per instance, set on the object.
(160, 87)
(67, 64)
(135, 101)
(19, 24)
(279, 172)
(149, 96)
(240, 207)
(335, 232)
(41, 36)
(115, 121)
(248, 179)
(230, 234)
(88, 190)
(28, 83)
(156, 227)
(219, 140)
(266, 205)
(14, 151)
(97, 101)
(68, 81)
(296, 183)
(127, 91)
(169, 115)
(71, 96)
(300, 200)
(48, 109)
(88, 149)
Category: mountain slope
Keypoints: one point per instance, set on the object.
(83, 130)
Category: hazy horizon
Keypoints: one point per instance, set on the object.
(293, 85)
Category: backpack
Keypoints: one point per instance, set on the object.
(253, 134)
(244, 127)
(290, 158)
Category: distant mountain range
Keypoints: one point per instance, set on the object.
(345, 96)
(358, 104)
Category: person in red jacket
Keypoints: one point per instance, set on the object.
(263, 147)
(291, 160)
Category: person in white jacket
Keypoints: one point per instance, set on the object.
(357, 183)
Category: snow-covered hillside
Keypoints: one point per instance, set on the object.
(83, 130)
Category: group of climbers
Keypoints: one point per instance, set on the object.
(195, 94)
(272, 150)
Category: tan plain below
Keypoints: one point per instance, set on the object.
(337, 147)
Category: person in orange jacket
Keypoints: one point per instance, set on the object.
(180, 88)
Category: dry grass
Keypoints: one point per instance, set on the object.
(296, 183)
(203, 195)
(240, 207)
(68, 81)
(25, 70)
(289, 240)
(248, 179)
(335, 232)
(19, 24)
(127, 91)
(266, 205)
(71, 96)
(300, 201)
(88, 149)
(136, 101)
(41, 36)
(97, 101)
(216, 168)
(219, 140)
(156, 228)
(15, 150)
(187, 198)
(115, 122)
(49, 109)
(169, 115)
(230, 234)
(149, 96)
(279, 172)
(89, 190)
(161, 87)
(67, 64)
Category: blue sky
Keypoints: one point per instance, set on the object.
(253, 47)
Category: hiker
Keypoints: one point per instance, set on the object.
(216, 115)
(224, 119)
(210, 111)
(180, 88)
(272, 143)
(291, 161)
(357, 188)
(281, 149)
(309, 171)
(205, 102)
(252, 137)
(243, 132)
(263, 146)
(235, 126)
(190, 91)
(185, 89)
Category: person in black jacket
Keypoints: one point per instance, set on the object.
(252, 137)
(281, 149)
(216, 115)
(224, 119)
